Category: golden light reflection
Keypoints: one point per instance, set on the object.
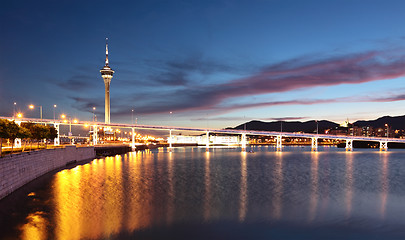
(35, 228)
(278, 188)
(384, 183)
(89, 200)
(243, 188)
(139, 198)
(170, 207)
(349, 184)
(113, 190)
(313, 204)
(207, 183)
(67, 202)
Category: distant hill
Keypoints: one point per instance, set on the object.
(310, 126)
(307, 127)
(393, 122)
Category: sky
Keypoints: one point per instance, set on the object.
(213, 64)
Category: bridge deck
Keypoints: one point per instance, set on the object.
(227, 131)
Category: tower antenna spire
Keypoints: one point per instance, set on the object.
(106, 51)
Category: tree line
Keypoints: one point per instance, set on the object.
(28, 131)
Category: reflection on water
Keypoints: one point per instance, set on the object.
(349, 183)
(278, 188)
(207, 184)
(384, 182)
(243, 188)
(153, 189)
(35, 228)
(314, 186)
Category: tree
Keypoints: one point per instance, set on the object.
(52, 133)
(13, 132)
(4, 134)
(24, 133)
(29, 126)
(39, 132)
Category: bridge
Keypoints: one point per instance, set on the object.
(243, 133)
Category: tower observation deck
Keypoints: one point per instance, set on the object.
(107, 74)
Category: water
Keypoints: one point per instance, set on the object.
(224, 194)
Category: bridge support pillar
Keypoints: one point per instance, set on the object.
(56, 141)
(314, 145)
(383, 146)
(279, 145)
(170, 141)
(95, 134)
(243, 142)
(349, 145)
(207, 145)
(133, 140)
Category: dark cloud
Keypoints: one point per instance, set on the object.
(245, 119)
(285, 76)
(77, 82)
(171, 78)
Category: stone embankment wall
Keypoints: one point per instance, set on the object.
(19, 169)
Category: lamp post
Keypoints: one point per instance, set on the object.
(387, 129)
(40, 109)
(69, 119)
(15, 105)
(54, 107)
(94, 109)
(316, 127)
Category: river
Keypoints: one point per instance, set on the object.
(223, 194)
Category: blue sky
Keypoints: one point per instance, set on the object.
(211, 63)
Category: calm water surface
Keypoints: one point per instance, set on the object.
(223, 194)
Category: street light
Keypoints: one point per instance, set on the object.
(15, 104)
(19, 115)
(387, 129)
(316, 127)
(94, 109)
(54, 107)
(40, 109)
(132, 119)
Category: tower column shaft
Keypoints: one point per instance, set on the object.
(107, 102)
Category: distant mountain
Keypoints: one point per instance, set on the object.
(310, 126)
(307, 127)
(393, 122)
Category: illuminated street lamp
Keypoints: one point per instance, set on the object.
(132, 119)
(387, 128)
(40, 109)
(19, 115)
(15, 105)
(54, 107)
(94, 109)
